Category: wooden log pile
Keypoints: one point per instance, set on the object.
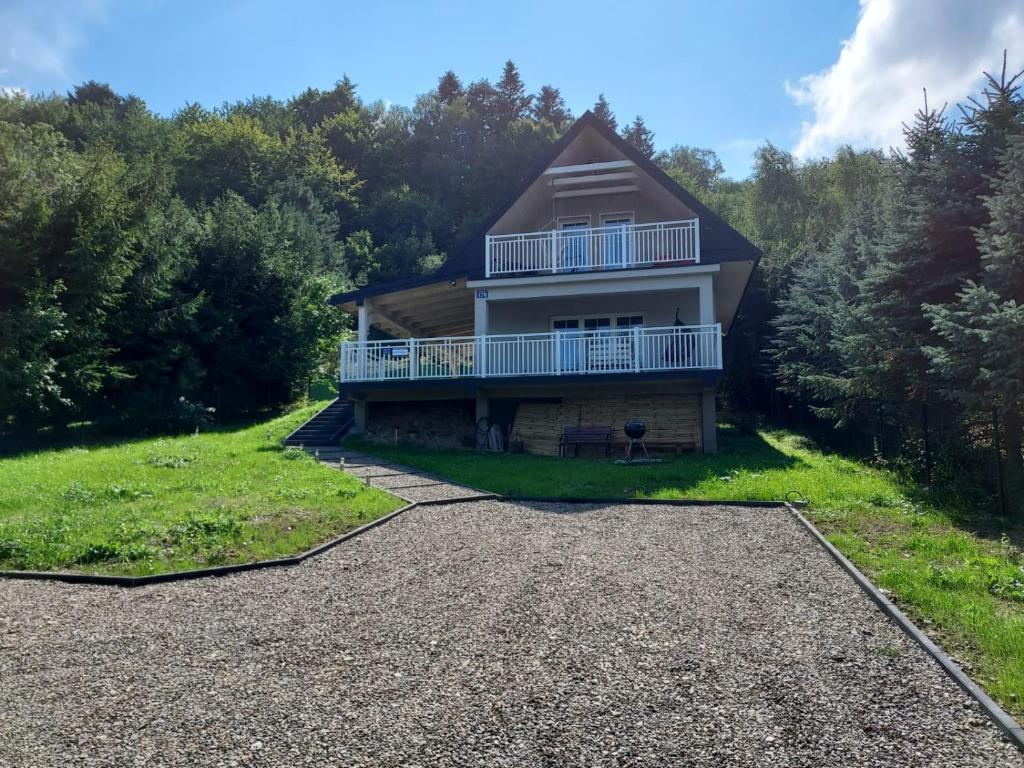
(673, 421)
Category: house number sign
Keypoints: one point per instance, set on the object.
(482, 293)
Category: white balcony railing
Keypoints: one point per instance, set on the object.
(595, 248)
(560, 353)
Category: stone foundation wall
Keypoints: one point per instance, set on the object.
(429, 423)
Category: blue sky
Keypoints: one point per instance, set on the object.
(729, 75)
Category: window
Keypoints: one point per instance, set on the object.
(597, 322)
(617, 240)
(569, 345)
(574, 244)
(596, 342)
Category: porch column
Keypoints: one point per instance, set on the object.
(363, 323)
(362, 335)
(707, 300)
(483, 409)
(709, 421)
(360, 409)
(480, 331)
(483, 405)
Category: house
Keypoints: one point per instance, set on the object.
(599, 291)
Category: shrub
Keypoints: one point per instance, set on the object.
(203, 529)
(191, 416)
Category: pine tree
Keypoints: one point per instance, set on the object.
(511, 100)
(979, 355)
(816, 316)
(923, 252)
(640, 136)
(449, 88)
(482, 100)
(549, 105)
(604, 112)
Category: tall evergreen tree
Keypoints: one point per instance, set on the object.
(603, 112)
(449, 87)
(640, 136)
(815, 316)
(979, 355)
(511, 100)
(929, 249)
(482, 102)
(550, 106)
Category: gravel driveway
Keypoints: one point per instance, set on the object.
(490, 634)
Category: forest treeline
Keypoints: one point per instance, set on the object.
(147, 259)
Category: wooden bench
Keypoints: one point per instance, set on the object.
(679, 446)
(587, 434)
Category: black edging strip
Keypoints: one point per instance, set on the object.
(198, 573)
(460, 500)
(1003, 720)
(637, 502)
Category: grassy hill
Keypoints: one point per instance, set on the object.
(171, 503)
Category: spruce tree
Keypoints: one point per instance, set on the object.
(510, 98)
(550, 106)
(482, 101)
(919, 255)
(980, 353)
(640, 136)
(449, 88)
(604, 112)
(816, 316)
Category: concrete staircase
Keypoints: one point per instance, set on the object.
(326, 428)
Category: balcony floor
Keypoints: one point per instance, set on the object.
(545, 385)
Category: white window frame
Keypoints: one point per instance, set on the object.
(610, 315)
(561, 221)
(631, 215)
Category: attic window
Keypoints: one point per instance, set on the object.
(587, 167)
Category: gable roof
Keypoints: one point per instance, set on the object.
(718, 241)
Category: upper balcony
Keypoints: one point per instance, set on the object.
(586, 249)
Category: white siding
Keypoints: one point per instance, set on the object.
(534, 315)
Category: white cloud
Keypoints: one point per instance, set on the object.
(38, 39)
(898, 48)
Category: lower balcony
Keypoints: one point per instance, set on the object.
(559, 353)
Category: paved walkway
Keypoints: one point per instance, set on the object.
(491, 634)
(404, 482)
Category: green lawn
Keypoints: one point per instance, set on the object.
(166, 504)
(964, 587)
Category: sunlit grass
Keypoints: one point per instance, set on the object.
(164, 504)
(762, 467)
(965, 589)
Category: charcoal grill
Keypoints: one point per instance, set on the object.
(635, 430)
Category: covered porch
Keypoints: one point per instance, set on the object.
(556, 353)
(582, 324)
